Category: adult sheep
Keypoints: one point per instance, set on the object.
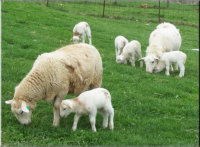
(70, 69)
(164, 38)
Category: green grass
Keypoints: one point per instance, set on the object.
(150, 109)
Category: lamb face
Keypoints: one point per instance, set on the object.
(21, 111)
(119, 59)
(159, 67)
(75, 39)
(65, 108)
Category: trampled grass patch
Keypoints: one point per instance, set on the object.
(150, 109)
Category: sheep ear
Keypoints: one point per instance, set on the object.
(9, 102)
(141, 59)
(157, 59)
(24, 107)
(68, 104)
(71, 39)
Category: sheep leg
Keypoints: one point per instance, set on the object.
(76, 118)
(88, 32)
(141, 62)
(105, 119)
(111, 112)
(92, 117)
(182, 70)
(167, 70)
(90, 39)
(171, 68)
(176, 67)
(132, 60)
(125, 61)
(83, 38)
(56, 107)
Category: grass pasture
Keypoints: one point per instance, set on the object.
(150, 109)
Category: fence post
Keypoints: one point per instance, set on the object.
(159, 12)
(104, 4)
(167, 3)
(47, 4)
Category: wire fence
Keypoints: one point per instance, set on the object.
(184, 12)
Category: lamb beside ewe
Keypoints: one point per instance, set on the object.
(89, 102)
(164, 38)
(177, 57)
(53, 76)
(81, 29)
(130, 52)
(120, 42)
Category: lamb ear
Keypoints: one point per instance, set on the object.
(71, 39)
(24, 107)
(68, 104)
(9, 102)
(141, 59)
(157, 59)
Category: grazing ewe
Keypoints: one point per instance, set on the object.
(82, 29)
(168, 58)
(130, 52)
(53, 76)
(89, 102)
(164, 38)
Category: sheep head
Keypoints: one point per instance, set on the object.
(119, 59)
(75, 39)
(21, 111)
(151, 61)
(66, 108)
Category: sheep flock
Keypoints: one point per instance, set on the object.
(77, 69)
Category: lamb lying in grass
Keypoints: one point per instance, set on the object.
(130, 52)
(89, 102)
(167, 58)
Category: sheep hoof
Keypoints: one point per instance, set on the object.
(94, 130)
(111, 128)
(74, 129)
(55, 124)
(105, 126)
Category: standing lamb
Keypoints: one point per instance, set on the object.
(130, 52)
(164, 38)
(89, 102)
(82, 29)
(120, 42)
(53, 76)
(168, 58)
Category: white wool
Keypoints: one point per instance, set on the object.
(90, 102)
(177, 57)
(81, 29)
(164, 38)
(120, 42)
(131, 51)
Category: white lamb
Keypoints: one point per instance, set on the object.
(120, 42)
(89, 102)
(53, 76)
(130, 52)
(164, 38)
(82, 29)
(177, 57)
